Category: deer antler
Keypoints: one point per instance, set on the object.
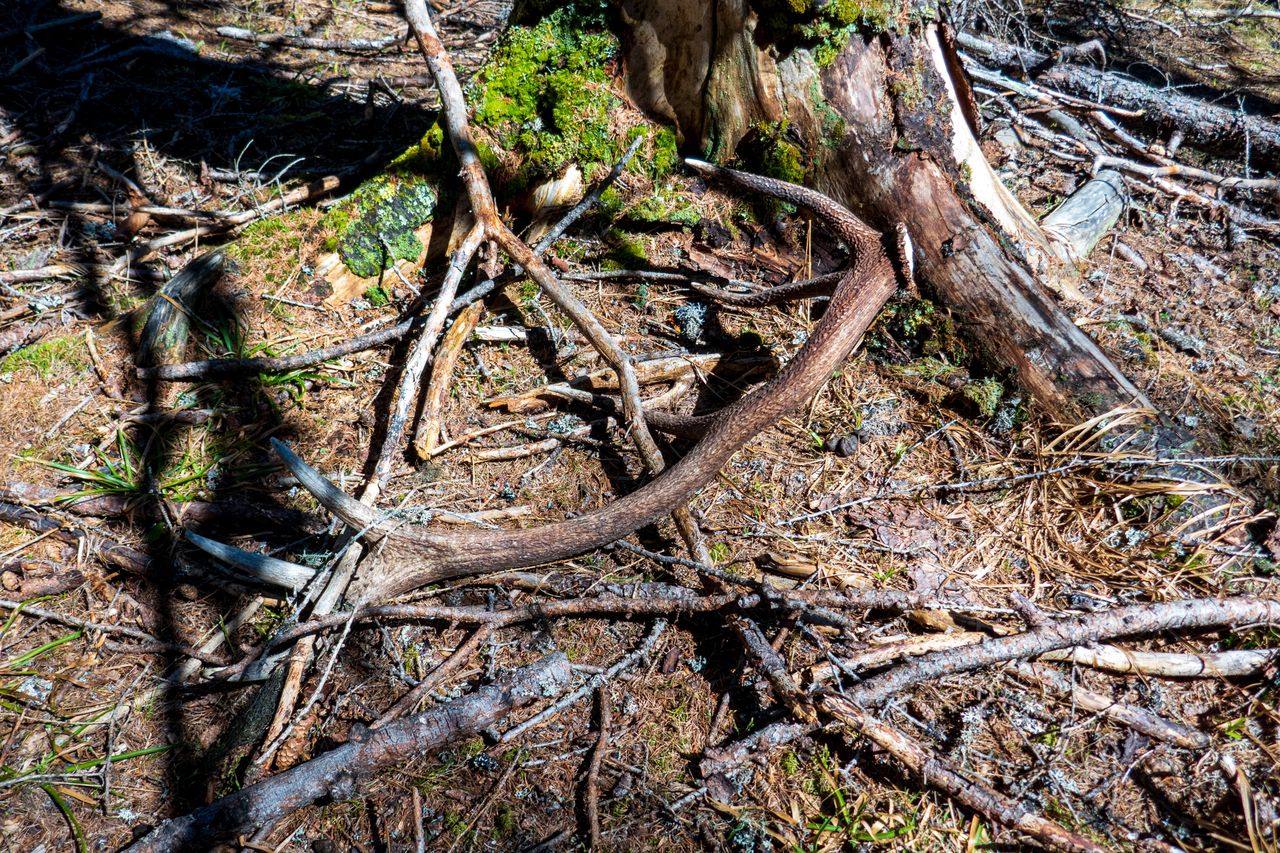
(413, 556)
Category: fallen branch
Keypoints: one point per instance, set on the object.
(409, 702)
(338, 773)
(110, 553)
(771, 665)
(593, 683)
(151, 644)
(1061, 633)
(937, 773)
(230, 368)
(1232, 664)
(310, 43)
(617, 600)
(1138, 719)
(592, 795)
(309, 192)
(446, 359)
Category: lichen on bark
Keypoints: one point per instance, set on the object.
(375, 226)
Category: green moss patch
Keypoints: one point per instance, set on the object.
(985, 394)
(824, 26)
(545, 98)
(375, 226)
(48, 357)
(666, 205)
(770, 149)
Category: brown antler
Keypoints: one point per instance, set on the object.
(413, 556)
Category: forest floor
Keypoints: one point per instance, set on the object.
(911, 470)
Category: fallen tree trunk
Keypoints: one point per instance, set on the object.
(1209, 127)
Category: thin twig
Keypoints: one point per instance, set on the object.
(119, 630)
(408, 702)
(593, 772)
(938, 773)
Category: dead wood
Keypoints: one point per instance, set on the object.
(1139, 719)
(1061, 633)
(111, 553)
(1210, 127)
(633, 658)
(306, 42)
(446, 359)
(240, 516)
(771, 665)
(151, 644)
(938, 773)
(337, 774)
(461, 655)
(895, 160)
(592, 793)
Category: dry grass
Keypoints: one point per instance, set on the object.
(1068, 530)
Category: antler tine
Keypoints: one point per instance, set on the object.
(332, 498)
(262, 568)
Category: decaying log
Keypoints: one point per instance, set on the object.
(883, 127)
(336, 774)
(1077, 224)
(1210, 127)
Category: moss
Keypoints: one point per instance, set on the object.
(272, 237)
(782, 159)
(833, 124)
(825, 28)
(872, 15)
(918, 325)
(545, 97)
(931, 369)
(585, 13)
(375, 226)
(986, 394)
(907, 87)
(504, 821)
(611, 204)
(668, 205)
(628, 252)
(377, 296)
(381, 217)
(666, 154)
(47, 357)
(769, 149)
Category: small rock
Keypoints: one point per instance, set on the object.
(622, 787)
(843, 446)
(37, 688)
(1008, 139)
